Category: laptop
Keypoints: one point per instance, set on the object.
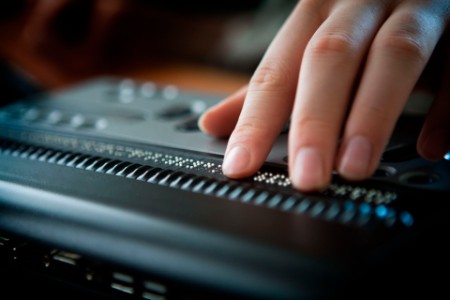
(109, 190)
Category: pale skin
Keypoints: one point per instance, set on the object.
(333, 69)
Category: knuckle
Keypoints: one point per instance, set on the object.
(310, 131)
(252, 130)
(270, 76)
(318, 126)
(333, 43)
(378, 114)
(404, 45)
(315, 8)
(252, 127)
(406, 39)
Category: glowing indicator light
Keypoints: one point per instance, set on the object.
(381, 211)
(406, 218)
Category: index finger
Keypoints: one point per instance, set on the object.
(270, 95)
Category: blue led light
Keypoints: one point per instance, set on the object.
(406, 218)
(447, 156)
(348, 205)
(381, 211)
(365, 208)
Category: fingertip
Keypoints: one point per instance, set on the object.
(308, 171)
(215, 122)
(220, 119)
(433, 144)
(237, 162)
(355, 159)
(204, 121)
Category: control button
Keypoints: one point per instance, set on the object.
(148, 90)
(54, 117)
(31, 114)
(98, 124)
(419, 178)
(170, 92)
(77, 121)
(190, 125)
(198, 107)
(127, 89)
(175, 111)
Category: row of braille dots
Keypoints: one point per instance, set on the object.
(54, 117)
(159, 158)
(368, 195)
(175, 161)
(334, 190)
(278, 179)
(344, 212)
(191, 164)
(169, 160)
(128, 90)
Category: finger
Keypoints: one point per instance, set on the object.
(328, 72)
(270, 94)
(434, 139)
(221, 119)
(397, 57)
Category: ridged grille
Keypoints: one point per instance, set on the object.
(325, 208)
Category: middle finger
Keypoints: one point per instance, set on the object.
(329, 68)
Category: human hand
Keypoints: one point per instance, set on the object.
(342, 71)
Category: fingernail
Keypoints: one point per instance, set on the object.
(308, 169)
(356, 159)
(236, 161)
(201, 122)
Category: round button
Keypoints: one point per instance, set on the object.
(170, 92)
(419, 178)
(148, 89)
(189, 126)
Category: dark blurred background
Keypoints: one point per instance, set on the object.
(216, 45)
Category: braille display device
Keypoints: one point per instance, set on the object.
(109, 188)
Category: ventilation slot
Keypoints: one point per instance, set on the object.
(77, 159)
(108, 166)
(138, 172)
(149, 173)
(64, 158)
(181, 180)
(160, 176)
(118, 168)
(85, 164)
(50, 156)
(38, 153)
(97, 164)
(128, 169)
(171, 178)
